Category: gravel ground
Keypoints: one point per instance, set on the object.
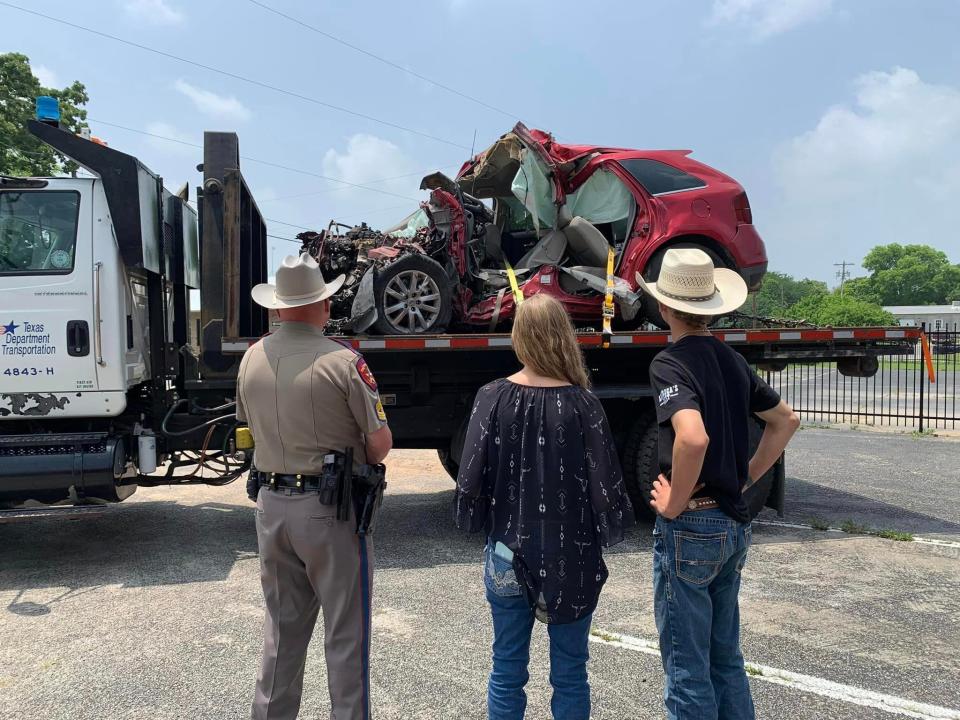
(152, 608)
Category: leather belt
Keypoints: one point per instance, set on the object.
(702, 503)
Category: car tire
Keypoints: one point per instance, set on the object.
(413, 296)
(651, 311)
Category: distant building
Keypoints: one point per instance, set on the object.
(934, 317)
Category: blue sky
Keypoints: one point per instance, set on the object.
(840, 118)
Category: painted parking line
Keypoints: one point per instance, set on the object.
(805, 526)
(804, 683)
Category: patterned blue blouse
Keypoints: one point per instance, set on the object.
(539, 473)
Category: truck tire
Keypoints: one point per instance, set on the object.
(640, 463)
(414, 296)
(756, 495)
(449, 464)
(641, 466)
(450, 457)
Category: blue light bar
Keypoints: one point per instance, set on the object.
(48, 109)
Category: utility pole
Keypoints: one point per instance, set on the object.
(843, 273)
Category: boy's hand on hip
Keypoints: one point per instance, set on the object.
(660, 498)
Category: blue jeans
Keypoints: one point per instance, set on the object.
(697, 559)
(512, 625)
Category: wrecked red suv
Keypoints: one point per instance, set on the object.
(549, 213)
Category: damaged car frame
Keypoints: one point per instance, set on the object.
(548, 214)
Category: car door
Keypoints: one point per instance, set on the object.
(46, 298)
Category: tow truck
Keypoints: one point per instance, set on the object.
(105, 386)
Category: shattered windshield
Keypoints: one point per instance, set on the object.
(38, 231)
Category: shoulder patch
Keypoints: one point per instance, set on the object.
(365, 373)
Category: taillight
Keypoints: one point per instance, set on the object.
(741, 208)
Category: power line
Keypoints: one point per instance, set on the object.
(288, 224)
(234, 76)
(255, 160)
(324, 191)
(381, 59)
(278, 237)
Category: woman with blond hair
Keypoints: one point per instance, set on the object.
(539, 474)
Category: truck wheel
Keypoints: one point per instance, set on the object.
(640, 463)
(450, 457)
(756, 495)
(650, 311)
(641, 467)
(449, 464)
(413, 297)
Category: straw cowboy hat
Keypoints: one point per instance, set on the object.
(690, 283)
(299, 282)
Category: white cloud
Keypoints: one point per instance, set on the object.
(367, 158)
(884, 168)
(370, 160)
(766, 18)
(209, 103)
(153, 12)
(165, 130)
(46, 76)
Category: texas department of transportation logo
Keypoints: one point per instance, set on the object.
(26, 339)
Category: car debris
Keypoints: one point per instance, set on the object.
(547, 214)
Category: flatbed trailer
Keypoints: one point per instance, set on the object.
(104, 381)
(428, 383)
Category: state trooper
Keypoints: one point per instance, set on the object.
(306, 398)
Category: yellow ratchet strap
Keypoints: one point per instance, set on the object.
(517, 294)
(608, 301)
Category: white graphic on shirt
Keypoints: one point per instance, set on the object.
(667, 394)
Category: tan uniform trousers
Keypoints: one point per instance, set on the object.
(311, 561)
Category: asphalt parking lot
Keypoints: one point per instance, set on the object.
(152, 608)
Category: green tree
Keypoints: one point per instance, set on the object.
(20, 152)
(780, 292)
(907, 275)
(836, 311)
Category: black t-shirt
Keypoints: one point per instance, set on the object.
(704, 374)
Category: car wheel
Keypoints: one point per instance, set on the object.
(413, 297)
(651, 312)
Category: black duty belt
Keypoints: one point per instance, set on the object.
(303, 483)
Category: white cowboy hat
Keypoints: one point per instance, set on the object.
(299, 282)
(690, 283)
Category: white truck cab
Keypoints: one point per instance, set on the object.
(65, 300)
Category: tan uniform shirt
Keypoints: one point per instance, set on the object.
(303, 395)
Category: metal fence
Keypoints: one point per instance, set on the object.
(901, 394)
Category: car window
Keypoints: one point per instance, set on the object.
(658, 178)
(38, 231)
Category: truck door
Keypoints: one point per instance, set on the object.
(47, 349)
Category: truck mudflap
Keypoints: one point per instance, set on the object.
(51, 467)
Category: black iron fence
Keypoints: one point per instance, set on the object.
(902, 393)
